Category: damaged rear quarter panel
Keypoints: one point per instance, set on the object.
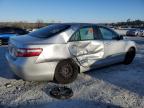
(55, 48)
(56, 52)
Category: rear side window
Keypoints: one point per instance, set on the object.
(76, 37)
(49, 30)
(86, 33)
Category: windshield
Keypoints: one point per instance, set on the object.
(49, 31)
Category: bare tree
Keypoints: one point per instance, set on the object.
(39, 24)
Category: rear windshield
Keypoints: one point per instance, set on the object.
(49, 31)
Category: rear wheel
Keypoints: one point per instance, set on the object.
(129, 56)
(66, 72)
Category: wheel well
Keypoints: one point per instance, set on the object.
(133, 48)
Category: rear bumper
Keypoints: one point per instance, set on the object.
(31, 72)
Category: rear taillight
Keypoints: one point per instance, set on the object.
(28, 52)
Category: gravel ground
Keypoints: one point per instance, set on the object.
(109, 87)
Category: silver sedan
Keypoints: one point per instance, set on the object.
(142, 32)
(61, 51)
(133, 32)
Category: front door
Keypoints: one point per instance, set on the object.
(113, 46)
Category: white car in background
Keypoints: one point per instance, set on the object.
(133, 32)
(142, 32)
(61, 51)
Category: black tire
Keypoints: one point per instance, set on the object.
(66, 72)
(130, 56)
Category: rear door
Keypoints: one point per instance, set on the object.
(86, 47)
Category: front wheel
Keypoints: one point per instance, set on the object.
(66, 72)
(129, 56)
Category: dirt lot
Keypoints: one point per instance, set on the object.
(114, 86)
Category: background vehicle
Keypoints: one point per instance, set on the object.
(7, 32)
(133, 32)
(142, 32)
(61, 51)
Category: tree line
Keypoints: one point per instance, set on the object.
(40, 23)
(24, 25)
(128, 23)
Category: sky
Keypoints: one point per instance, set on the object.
(98, 11)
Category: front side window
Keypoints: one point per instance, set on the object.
(108, 34)
(86, 33)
